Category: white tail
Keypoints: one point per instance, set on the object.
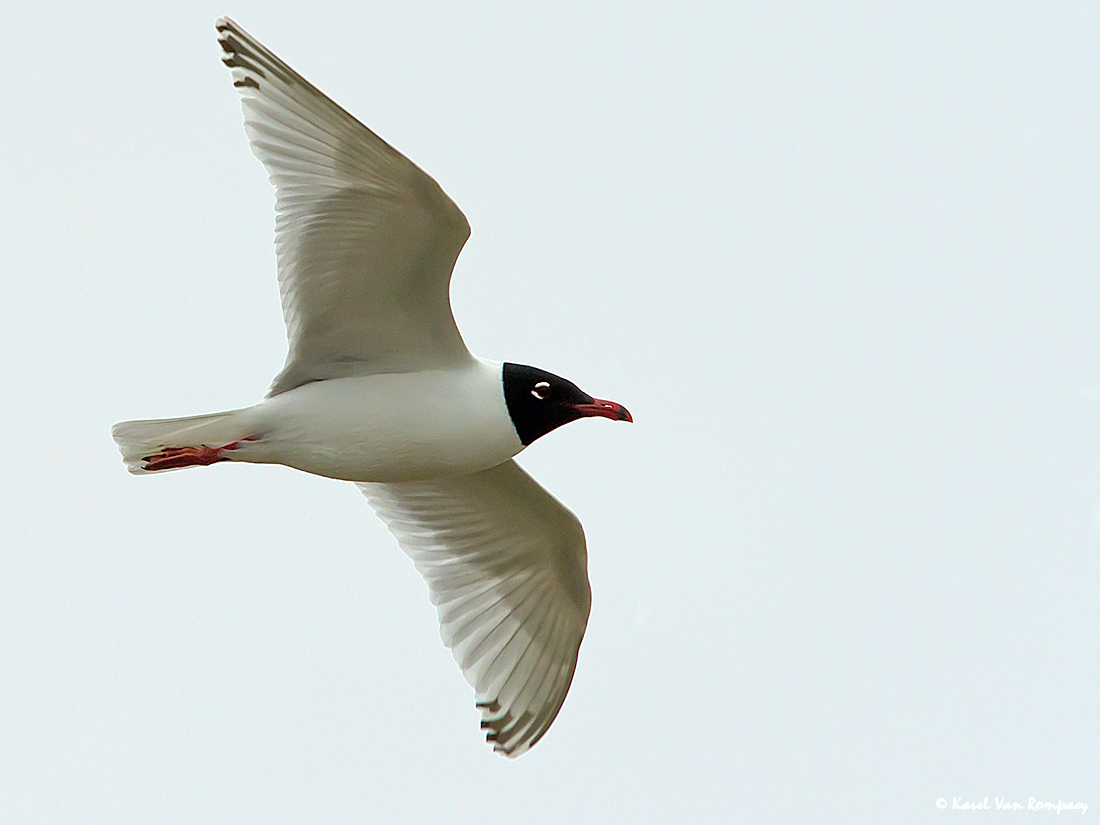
(138, 439)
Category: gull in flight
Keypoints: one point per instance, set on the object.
(379, 389)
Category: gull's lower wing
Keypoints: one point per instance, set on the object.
(506, 567)
(365, 240)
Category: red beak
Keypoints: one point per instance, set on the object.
(606, 409)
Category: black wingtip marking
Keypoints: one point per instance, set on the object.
(249, 54)
(236, 57)
(247, 81)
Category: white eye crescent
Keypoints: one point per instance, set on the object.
(541, 390)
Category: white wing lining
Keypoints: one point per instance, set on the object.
(505, 565)
(365, 240)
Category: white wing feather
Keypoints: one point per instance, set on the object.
(506, 567)
(365, 240)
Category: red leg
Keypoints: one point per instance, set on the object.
(171, 458)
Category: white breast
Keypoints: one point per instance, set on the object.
(393, 427)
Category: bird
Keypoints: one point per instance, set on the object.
(379, 389)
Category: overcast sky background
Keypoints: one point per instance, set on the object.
(840, 262)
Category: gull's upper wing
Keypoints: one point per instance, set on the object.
(506, 567)
(366, 241)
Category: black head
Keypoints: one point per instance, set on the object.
(539, 401)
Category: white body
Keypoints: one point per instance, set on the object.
(369, 428)
(397, 427)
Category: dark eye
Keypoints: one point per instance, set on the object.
(541, 390)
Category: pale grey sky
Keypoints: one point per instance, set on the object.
(840, 261)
